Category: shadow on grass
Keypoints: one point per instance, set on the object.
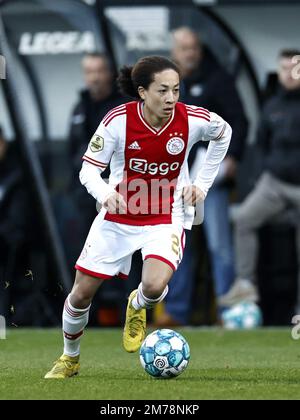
(243, 376)
(259, 376)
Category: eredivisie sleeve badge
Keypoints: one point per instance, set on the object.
(97, 143)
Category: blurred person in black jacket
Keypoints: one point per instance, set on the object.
(205, 83)
(278, 188)
(13, 219)
(99, 96)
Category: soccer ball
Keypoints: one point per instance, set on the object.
(164, 354)
(244, 316)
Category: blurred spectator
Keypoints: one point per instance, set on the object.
(278, 188)
(99, 96)
(205, 83)
(13, 220)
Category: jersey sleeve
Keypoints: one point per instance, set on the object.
(204, 125)
(102, 145)
(96, 158)
(218, 133)
(215, 129)
(199, 121)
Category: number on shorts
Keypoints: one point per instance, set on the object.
(175, 244)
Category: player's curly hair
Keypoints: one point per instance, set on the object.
(142, 74)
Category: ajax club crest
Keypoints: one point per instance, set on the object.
(175, 146)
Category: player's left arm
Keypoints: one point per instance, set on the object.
(95, 161)
(218, 132)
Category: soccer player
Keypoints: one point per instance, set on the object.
(148, 200)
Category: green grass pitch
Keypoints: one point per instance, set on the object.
(262, 364)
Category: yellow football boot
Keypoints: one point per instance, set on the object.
(135, 326)
(64, 367)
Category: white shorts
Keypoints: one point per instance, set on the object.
(109, 247)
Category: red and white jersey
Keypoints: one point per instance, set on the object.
(148, 166)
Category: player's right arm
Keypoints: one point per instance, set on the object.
(95, 161)
(210, 127)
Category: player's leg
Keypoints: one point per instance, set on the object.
(154, 286)
(152, 289)
(177, 303)
(96, 263)
(76, 311)
(162, 252)
(75, 318)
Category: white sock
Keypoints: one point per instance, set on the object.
(140, 301)
(74, 322)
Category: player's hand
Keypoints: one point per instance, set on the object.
(115, 204)
(191, 195)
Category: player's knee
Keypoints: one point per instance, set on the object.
(80, 298)
(154, 289)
